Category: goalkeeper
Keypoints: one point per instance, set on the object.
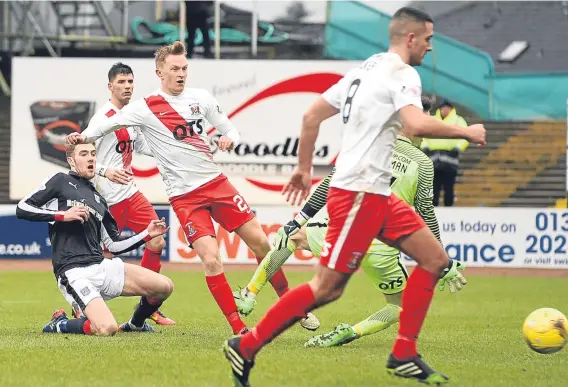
(412, 181)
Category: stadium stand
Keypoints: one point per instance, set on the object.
(523, 165)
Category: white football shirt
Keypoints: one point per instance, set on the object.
(369, 98)
(175, 129)
(115, 151)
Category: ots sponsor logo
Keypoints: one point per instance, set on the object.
(391, 285)
(181, 132)
(20, 249)
(124, 146)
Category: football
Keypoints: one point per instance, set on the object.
(546, 330)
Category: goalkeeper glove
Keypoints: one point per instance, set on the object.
(452, 277)
(286, 231)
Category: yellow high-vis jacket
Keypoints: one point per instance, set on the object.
(446, 151)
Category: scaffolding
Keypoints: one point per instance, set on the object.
(61, 23)
(55, 26)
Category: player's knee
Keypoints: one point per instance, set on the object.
(167, 287)
(325, 292)
(106, 329)
(326, 295)
(212, 264)
(162, 288)
(437, 263)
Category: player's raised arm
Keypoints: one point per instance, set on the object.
(130, 115)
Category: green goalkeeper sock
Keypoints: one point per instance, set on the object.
(379, 321)
(268, 267)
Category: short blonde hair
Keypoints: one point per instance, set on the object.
(70, 149)
(176, 48)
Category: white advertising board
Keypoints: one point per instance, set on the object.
(479, 237)
(265, 100)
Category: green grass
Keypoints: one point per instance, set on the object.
(474, 337)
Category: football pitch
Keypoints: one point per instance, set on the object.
(473, 336)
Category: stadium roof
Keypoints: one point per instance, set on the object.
(493, 26)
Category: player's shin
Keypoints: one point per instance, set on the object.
(378, 321)
(221, 291)
(415, 304)
(145, 309)
(268, 267)
(153, 254)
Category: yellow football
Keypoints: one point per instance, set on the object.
(546, 330)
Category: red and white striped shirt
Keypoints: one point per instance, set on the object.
(175, 129)
(115, 151)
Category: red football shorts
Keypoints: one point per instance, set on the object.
(217, 199)
(136, 213)
(356, 218)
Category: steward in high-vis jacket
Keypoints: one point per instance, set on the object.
(445, 154)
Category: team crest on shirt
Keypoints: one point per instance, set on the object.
(97, 198)
(355, 258)
(190, 230)
(195, 109)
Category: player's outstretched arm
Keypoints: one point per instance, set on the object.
(116, 245)
(130, 115)
(419, 124)
(406, 94)
(30, 207)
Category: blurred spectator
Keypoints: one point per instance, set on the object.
(196, 15)
(445, 155)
